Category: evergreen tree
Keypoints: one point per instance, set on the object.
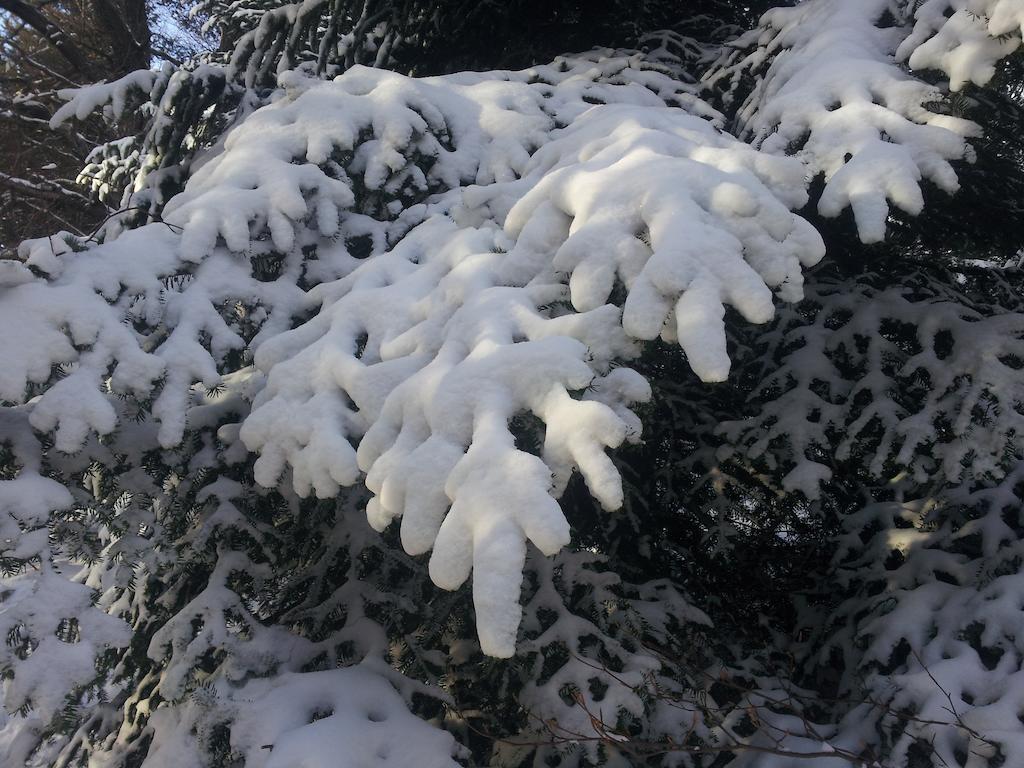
(691, 365)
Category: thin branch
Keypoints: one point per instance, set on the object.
(50, 31)
(45, 190)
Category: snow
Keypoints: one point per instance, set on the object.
(338, 718)
(963, 628)
(963, 38)
(451, 254)
(434, 288)
(827, 88)
(835, 388)
(46, 665)
(457, 336)
(83, 101)
(488, 293)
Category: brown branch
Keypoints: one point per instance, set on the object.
(128, 29)
(49, 31)
(756, 703)
(154, 217)
(44, 190)
(26, 56)
(952, 707)
(59, 219)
